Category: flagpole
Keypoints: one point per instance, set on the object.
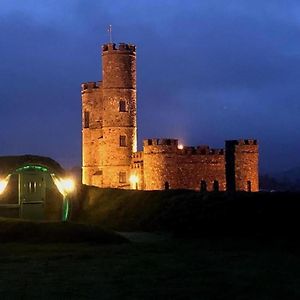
(110, 33)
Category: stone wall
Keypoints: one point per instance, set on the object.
(166, 166)
(242, 165)
(92, 118)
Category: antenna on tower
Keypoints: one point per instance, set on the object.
(109, 30)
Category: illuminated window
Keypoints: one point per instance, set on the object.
(122, 106)
(32, 187)
(86, 119)
(123, 141)
(122, 177)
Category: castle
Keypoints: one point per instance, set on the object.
(109, 141)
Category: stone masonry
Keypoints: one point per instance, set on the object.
(109, 141)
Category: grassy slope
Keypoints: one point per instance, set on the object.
(18, 231)
(188, 211)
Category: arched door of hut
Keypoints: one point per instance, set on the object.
(32, 193)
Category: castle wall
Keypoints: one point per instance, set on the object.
(137, 171)
(109, 141)
(166, 166)
(209, 168)
(242, 165)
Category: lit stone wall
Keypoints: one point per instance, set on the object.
(181, 168)
(92, 105)
(104, 158)
(242, 165)
(137, 171)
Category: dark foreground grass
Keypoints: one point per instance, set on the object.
(172, 269)
(186, 212)
(21, 231)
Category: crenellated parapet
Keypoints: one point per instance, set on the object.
(136, 156)
(200, 150)
(122, 47)
(90, 86)
(242, 142)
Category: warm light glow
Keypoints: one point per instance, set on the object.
(3, 184)
(68, 185)
(180, 147)
(134, 179)
(64, 185)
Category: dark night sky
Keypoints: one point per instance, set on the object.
(207, 71)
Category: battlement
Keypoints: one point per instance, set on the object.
(201, 150)
(137, 155)
(90, 85)
(161, 142)
(122, 47)
(242, 142)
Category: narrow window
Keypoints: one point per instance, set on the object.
(167, 185)
(248, 186)
(32, 187)
(216, 186)
(123, 141)
(203, 187)
(122, 106)
(86, 120)
(122, 177)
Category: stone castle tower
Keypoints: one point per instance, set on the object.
(109, 141)
(109, 132)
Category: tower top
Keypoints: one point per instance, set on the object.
(122, 47)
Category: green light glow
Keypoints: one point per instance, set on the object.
(65, 210)
(32, 167)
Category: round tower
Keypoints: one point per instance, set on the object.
(242, 165)
(92, 111)
(160, 164)
(119, 113)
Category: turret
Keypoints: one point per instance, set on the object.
(242, 165)
(119, 113)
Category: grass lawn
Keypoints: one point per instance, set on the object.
(151, 269)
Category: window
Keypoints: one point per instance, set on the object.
(32, 187)
(203, 186)
(123, 141)
(167, 185)
(249, 186)
(86, 119)
(216, 186)
(122, 106)
(122, 177)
